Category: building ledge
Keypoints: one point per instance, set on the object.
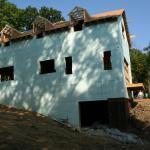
(135, 86)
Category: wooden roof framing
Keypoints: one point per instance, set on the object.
(8, 33)
(44, 25)
(78, 14)
(41, 24)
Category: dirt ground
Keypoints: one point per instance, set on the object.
(140, 118)
(25, 130)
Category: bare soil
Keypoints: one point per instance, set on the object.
(140, 119)
(26, 130)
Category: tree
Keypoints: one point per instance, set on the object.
(9, 14)
(147, 48)
(55, 15)
(51, 14)
(139, 65)
(21, 19)
(148, 72)
(28, 16)
(44, 12)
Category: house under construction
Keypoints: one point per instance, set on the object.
(76, 71)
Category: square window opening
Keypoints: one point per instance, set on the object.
(78, 26)
(7, 73)
(47, 66)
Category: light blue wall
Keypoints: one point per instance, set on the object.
(58, 94)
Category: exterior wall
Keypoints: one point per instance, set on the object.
(125, 51)
(57, 94)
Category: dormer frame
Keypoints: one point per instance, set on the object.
(78, 14)
(40, 25)
(8, 33)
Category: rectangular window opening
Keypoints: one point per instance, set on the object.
(107, 60)
(126, 70)
(78, 26)
(47, 66)
(68, 65)
(123, 31)
(7, 73)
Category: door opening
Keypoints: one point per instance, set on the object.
(92, 112)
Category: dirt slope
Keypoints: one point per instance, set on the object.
(140, 118)
(25, 130)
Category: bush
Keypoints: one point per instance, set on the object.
(133, 104)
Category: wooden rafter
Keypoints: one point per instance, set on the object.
(9, 33)
(78, 14)
(41, 24)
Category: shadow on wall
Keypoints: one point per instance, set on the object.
(58, 94)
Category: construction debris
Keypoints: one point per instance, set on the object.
(104, 131)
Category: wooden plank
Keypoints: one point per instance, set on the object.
(118, 113)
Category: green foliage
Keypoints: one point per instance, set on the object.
(44, 12)
(9, 14)
(147, 48)
(22, 19)
(51, 14)
(133, 104)
(140, 63)
(29, 15)
(148, 73)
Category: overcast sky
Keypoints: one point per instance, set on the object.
(137, 11)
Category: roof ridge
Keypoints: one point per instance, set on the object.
(113, 12)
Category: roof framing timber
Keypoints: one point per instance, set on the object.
(42, 24)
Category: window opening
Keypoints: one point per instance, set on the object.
(107, 60)
(68, 69)
(47, 66)
(7, 73)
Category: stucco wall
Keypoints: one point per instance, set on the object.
(57, 94)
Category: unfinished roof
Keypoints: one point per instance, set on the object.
(42, 24)
(78, 14)
(109, 14)
(10, 32)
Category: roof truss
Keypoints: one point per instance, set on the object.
(77, 14)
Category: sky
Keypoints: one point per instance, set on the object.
(137, 11)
